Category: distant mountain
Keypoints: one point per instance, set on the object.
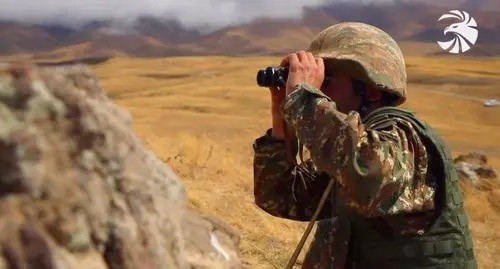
(20, 38)
(407, 22)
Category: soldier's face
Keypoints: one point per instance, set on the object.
(340, 89)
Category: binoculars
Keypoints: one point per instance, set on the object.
(272, 77)
(277, 76)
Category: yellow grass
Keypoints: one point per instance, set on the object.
(201, 116)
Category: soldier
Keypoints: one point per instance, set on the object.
(396, 202)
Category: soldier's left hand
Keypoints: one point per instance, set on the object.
(303, 68)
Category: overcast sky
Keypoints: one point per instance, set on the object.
(189, 12)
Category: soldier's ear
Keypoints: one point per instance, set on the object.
(373, 94)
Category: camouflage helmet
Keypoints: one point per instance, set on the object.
(366, 53)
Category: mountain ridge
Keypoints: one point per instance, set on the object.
(153, 37)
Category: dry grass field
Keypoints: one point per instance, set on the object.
(201, 115)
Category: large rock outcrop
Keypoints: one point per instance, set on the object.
(79, 190)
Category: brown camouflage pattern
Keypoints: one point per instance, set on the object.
(283, 189)
(366, 53)
(380, 169)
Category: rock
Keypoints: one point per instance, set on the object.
(79, 190)
(491, 103)
(472, 158)
(473, 167)
(219, 244)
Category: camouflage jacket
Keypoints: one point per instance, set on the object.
(380, 172)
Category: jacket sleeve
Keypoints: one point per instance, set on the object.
(282, 188)
(380, 171)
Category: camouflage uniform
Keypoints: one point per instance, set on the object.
(382, 166)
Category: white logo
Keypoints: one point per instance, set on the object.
(465, 32)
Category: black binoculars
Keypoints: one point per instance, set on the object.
(277, 76)
(272, 77)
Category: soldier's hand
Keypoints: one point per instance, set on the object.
(303, 68)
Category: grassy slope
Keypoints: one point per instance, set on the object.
(201, 115)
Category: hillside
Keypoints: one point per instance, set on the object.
(411, 23)
(201, 115)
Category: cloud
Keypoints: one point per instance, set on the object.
(192, 13)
